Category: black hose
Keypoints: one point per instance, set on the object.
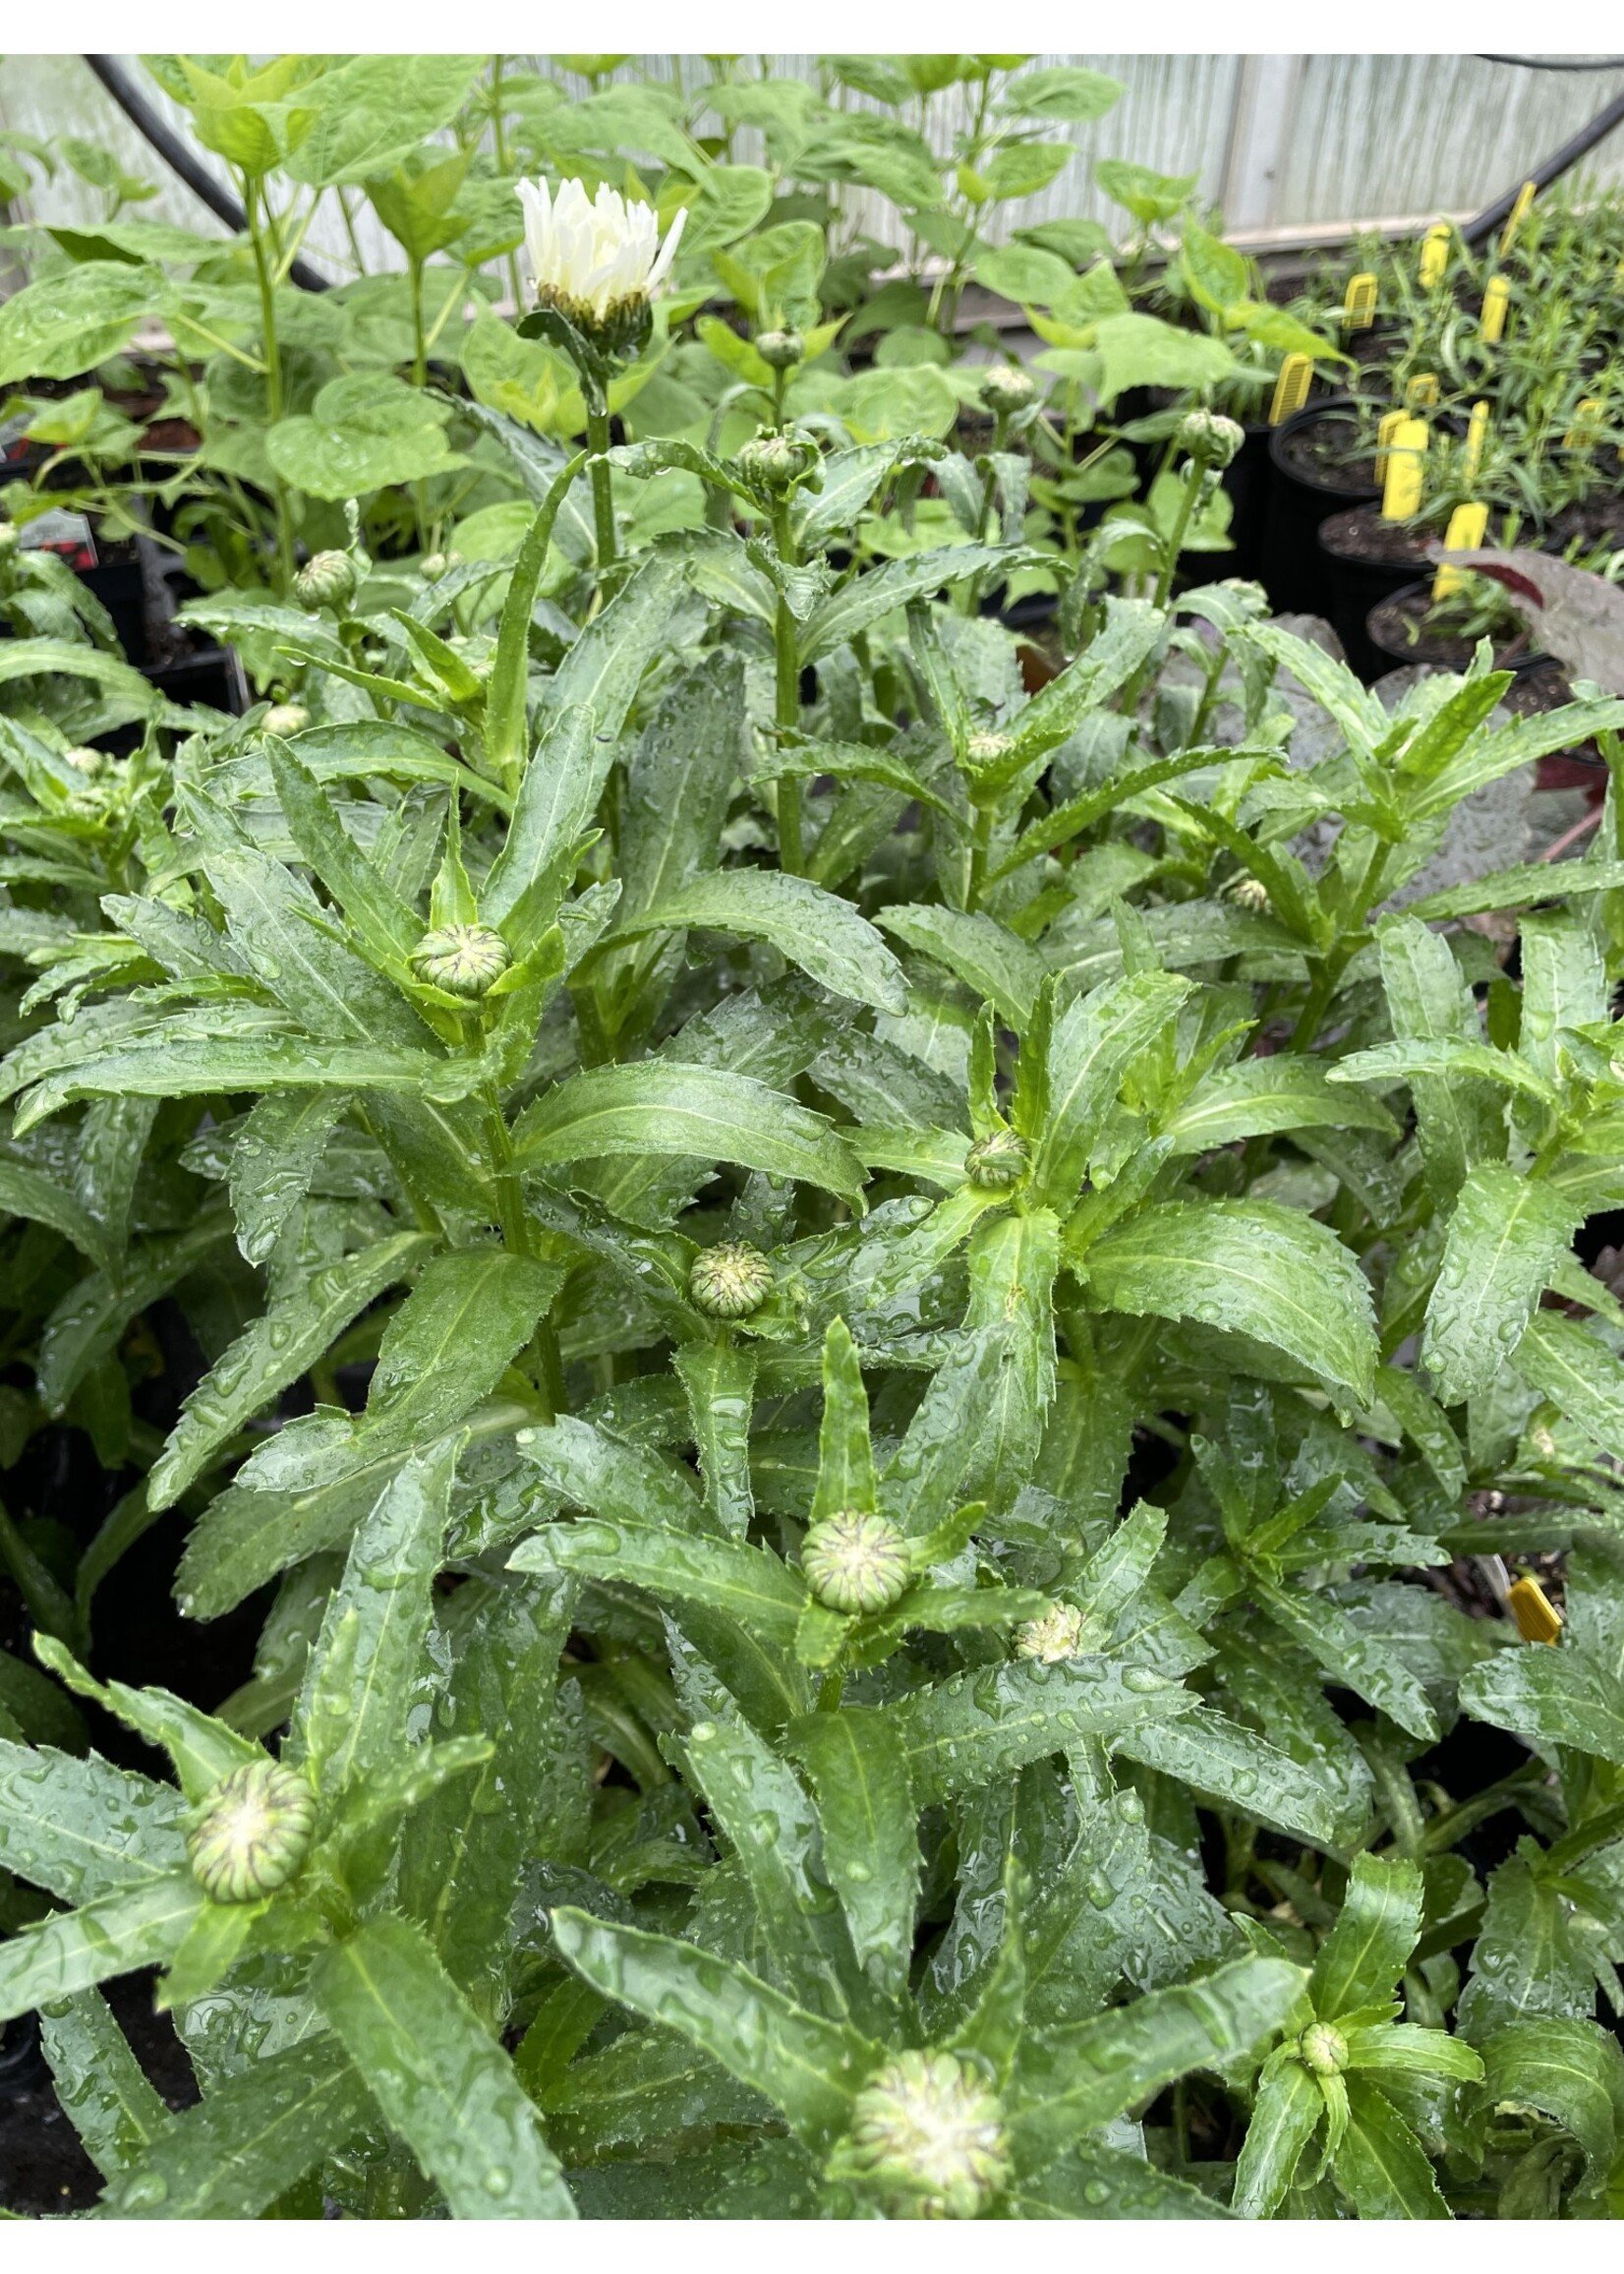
(1495, 216)
(183, 161)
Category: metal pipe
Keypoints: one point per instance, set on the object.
(184, 161)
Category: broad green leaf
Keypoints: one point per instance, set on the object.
(817, 930)
(255, 2136)
(1568, 2070)
(444, 2086)
(1259, 1095)
(746, 1584)
(102, 2086)
(81, 1828)
(870, 1834)
(1362, 1959)
(663, 1107)
(1073, 2080)
(1565, 1363)
(1381, 2164)
(1550, 1696)
(1251, 1268)
(73, 318)
(365, 431)
(1283, 2119)
(977, 948)
(1091, 1045)
(810, 2069)
(139, 1925)
(1232, 1767)
(1505, 1239)
(976, 1726)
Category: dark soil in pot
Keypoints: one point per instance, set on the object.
(1597, 519)
(1365, 560)
(1312, 475)
(1397, 627)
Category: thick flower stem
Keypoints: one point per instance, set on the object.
(515, 1225)
(1176, 541)
(787, 707)
(258, 217)
(602, 490)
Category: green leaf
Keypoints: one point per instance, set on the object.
(1565, 1363)
(811, 2070)
(139, 1925)
(99, 2083)
(1357, 1660)
(846, 1455)
(747, 1584)
(1529, 886)
(444, 2085)
(604, 668)
(719, 1379)
(1141, 351)
(883, 590)
(1380, 2162)
(870, 1834)
(679, 783)
(1251, 1267)
(1568, 2070)
(365, 431)
(669, 1109)
(41, 1200)
(1460, 1121)
(375, 109)
(202, 1748)
(1361, 1960)
(1550, 1696)
(352, 1717)
(1260, 1095)
(1283, 2119)
(273, 1163)
(81, 1828)
(977, 948)
(822, 933)
(1233, 1767)
(1092, 1043)
(255, 2137)
(1071, 2080)
(1505, 1239)
(67, 321)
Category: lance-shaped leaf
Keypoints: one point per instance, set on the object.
(99, 2083)
(382, 923)
(810, 2069)
(1363, 1663)
(201, 1747)
(1368, 1949)
(1283, 2119)
(1524, 887)
(1091, 1045)
(353, 1710)
(1260, 1095)
(1094, 2182)
(134, 1926)
(1251, 1268)
(41, 1200)
(444, 2085)
(886, 590)
(605, 665)
(719, 1378)
(748, 1584)
(1071, 2080)
(986, 954)
(678, 782)
(81, 1829)
(278, 1151)
(1562, 1695)
(1505, 1239)
(817, 930)
(1069, 820)
(1381, 2164)
(870, 1834)
(974, 1727)
(588, 1468)
(1567, 2069)
(254, 2136)
(1565, 1363)
(505, 697)
(673, 1110)
(552, 812)
(1460, 1121)
(1013, 1263)
(84, 1327)
(272, 1352)
(1232, 1767)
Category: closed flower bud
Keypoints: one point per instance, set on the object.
(776, 462)
(1055, 1636)
(84, 760)
(994, 1163)
(730, 1281)
(285, 719)
(434, 566)
(1210, 437)
(987, 748)
(252, 1832)
(1007, 389)
(1324, 2050)
(326, 580)
(1252, 892)
(857, 1562)
(465, 960)
(927, 2139)
(783, 350)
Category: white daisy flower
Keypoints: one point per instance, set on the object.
(598, 260)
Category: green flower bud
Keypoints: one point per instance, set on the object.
(434, 566)
(285, 719)
(997, 1162)
(730, 1281)
(1055, 1636)
(1210, 437)
(84, 760)
(1252, 892)
(783, 350)
(776, 462)
(326, 580)
(1007, 389)
(465, 960)
(857, 1562)
(251, 1834)
(1323, 2049)
(927, 2139)
(987, 748)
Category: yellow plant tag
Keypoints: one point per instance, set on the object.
(1468, 527)
(1358, 302)
(1435, 255)
(1516, 217)
(1401, 495)
(1421, 394)
(1387, 428)
(1538, 1618)
(1585, 432)
(1291, 388)
(1496, 301)
(1477, 434)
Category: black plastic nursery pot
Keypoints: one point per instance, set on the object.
(1385, 632)
(1366, 559)
(1247, 482)
(1308, 482)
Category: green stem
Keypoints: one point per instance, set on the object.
(257, 218)
(500, 143)
(603, 489)
(515, 1224)
(420, 379)
(787, 704)
(1176, 542)
(830, 1690)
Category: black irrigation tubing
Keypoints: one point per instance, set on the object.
(1578, 145)
(183, 161)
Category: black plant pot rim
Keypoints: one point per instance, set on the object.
(1520, 664)
(1306, 416)
(1375, 561)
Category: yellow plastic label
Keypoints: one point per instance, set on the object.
(1387, 428)
(1496, 301)
(1586, 431)
(1401, 495)
(1435, 255)
(1468, 527)
(1516, 217)
(1358, 302)
(1291, 388)
(1421, 394)
(1538, 1618)
(1477, 434)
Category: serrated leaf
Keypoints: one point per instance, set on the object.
(81, 1828)
(1505, 1237)
(1362, 1959)
(134, 1926)
(870, 1834)
(817, 930)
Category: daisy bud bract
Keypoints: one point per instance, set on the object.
(286, 718)
(998, 1161)
(251, 1834)
(730, 1281)
(857, 1562)
(927, 2139)
(465, 960)
(326, 580)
